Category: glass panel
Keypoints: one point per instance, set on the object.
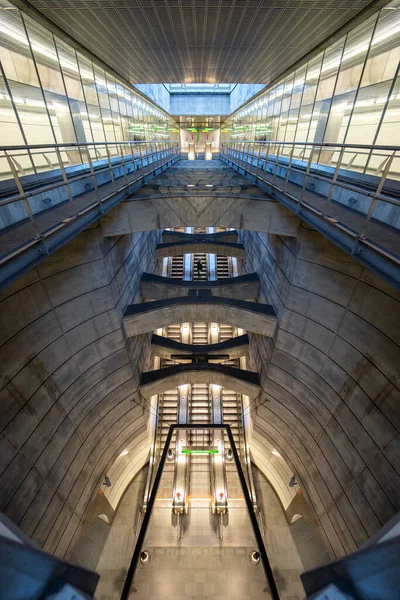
(295, 102)
(286, 120)
(308, 98)
(52, 82)
(354, 55)
(137, 128)
(10, 131)
(388, 135)
(377, 81)
(19, 68)
(321, 121)
(114, 103)
(74, 89)
(104, 101)
(92, 102)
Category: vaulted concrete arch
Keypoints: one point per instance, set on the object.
(332, 384)
(67, 385)
(235, 210)
(200, 244)
(161, 380)
(239, 288)
(166, 347)
(148, 316)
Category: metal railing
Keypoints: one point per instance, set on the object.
(354, 187)
(249, 504)
(46, 187)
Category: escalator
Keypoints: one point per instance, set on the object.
(176, 267)
(223, 267)
(200, 438)
(198, 275)
(168, 407)
(200, 480)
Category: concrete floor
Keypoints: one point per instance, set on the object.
(199, 565)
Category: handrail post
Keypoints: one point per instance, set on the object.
(252, 156)
(133, 156)
(276, 164)
(21, 190)
(289, 169)
(93, 177)
(147, 154)
(266, 157)
(123, 164)
(110, 164)
(141, 158)
(335, 176)
(307, 174)
(363, 232)
(65, 179)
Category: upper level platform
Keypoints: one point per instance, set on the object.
(234, 347)
(149, 316)
(169, 237)
(242, 287)
(41, 211)
(334, 188)
(265, 187)
(198, 244)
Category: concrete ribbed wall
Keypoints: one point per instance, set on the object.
(68, 381)
(332, 381)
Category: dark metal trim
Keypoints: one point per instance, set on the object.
(143, 530)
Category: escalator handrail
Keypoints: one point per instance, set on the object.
(253, 518)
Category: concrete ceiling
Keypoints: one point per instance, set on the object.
(225, 41)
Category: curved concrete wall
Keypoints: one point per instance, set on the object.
(332, 377)
(68, 381)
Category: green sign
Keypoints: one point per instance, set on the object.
(205, 451)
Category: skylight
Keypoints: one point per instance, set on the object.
(204, 88)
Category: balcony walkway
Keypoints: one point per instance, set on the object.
(370, 240)
(26, 242)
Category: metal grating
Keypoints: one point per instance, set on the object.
(193, 41)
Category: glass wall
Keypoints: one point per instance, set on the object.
(50, 93)
(349, 93)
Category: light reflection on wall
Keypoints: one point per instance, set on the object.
(50, 93)
(349, 93)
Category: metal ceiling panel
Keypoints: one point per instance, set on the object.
(225, 41)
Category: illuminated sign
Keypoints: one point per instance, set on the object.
(200, 451)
